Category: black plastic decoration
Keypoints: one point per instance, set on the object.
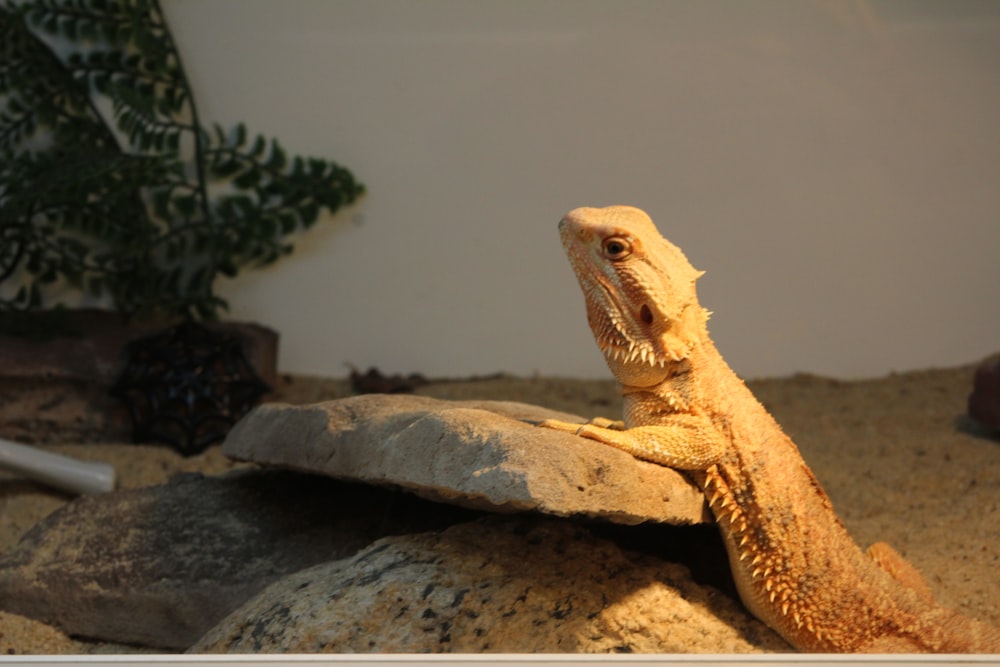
(187, 387)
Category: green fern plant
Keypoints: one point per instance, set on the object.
(109, 182)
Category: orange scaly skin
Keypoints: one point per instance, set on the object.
(795, 566)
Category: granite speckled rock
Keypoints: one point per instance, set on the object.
(161, 565)
(499, 584)
(477, 454)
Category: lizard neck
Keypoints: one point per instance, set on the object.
(656, 361)
(693, 384)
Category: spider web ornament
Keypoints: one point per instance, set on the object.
(187, 387)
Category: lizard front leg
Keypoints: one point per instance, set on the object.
(681, 441)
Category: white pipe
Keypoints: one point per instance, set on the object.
(62, 472)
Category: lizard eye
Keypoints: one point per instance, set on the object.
(616, 248)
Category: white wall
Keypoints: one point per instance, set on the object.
(834, 165)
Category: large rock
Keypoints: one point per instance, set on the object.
(159, 566)
(478, 454)
(500, 584)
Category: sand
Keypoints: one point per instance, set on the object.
(897, 455)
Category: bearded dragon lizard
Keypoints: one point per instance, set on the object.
(795, 566)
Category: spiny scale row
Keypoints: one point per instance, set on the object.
(763, 569)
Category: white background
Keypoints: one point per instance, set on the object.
(833, 165)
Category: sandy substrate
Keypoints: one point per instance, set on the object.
(897, 455)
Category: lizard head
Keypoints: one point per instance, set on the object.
(639, 289)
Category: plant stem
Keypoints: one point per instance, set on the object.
(199, 147)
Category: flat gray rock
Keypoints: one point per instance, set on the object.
(501, 585)
(161, 565)
(476, 454)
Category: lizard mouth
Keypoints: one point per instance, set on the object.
(625, 337)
